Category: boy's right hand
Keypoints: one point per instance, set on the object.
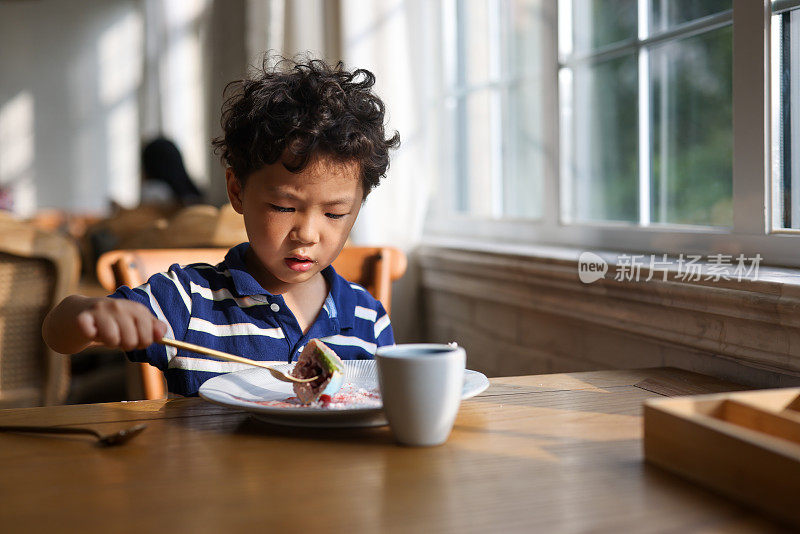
(119, 323)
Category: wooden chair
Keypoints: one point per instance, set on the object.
(37, 270)
(375, 268)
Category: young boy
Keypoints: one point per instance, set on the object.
(304, 145)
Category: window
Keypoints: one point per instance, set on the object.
(492, 109)
(648, 135)
(785, 40)
(629, 140)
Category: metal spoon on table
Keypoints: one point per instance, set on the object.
(278, 374)
(115, 438)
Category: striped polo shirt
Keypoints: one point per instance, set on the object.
(223, 307)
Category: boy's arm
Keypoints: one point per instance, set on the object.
(78, 321)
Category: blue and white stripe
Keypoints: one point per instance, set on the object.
(223, 307)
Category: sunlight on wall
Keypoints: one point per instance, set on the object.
(180, 14)
(122, 134)
(16, 136)
(120, 56)
(182, 102)
(17, 151)
(182, 83)
(120, 70)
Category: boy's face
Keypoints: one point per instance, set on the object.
(297, 223)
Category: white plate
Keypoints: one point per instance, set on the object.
(245, 389)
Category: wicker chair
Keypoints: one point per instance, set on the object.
(37, 270)
(375, 268)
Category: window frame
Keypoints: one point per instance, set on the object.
(752, 232)
(779, 120)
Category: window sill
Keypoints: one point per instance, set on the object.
(753, 322)
(779, 248)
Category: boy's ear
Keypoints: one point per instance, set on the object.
(234, 190)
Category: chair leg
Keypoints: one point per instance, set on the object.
(155, 387)
(383, 280)
(145, 382)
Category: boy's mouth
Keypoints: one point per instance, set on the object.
(299, 264)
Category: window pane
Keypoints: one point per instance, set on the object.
(528, 21)
(786, 118)
(450, 189)
(524, 139)
(524, 153)
(603, 141)
(597, 23)
(667, 13)
(692, 130)
(478, 155)
(475, 19)
(494, 154)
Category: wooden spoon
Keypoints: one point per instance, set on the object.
(218, 354)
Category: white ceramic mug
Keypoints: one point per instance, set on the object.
(421, 387)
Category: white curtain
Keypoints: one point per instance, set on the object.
(291, 27)
(391, 38)
(397, 41)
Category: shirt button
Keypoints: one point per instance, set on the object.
(274, 307)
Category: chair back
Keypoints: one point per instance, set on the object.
(374, 268)
(37, 270)
(133, 267)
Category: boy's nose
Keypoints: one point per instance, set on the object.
(305, 232)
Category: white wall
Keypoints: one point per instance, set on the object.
(69, 77)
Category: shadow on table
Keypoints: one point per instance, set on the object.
(212, 418)
(375, 435)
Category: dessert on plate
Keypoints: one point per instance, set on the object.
(317, 359)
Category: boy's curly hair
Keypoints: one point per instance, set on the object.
(297, 111)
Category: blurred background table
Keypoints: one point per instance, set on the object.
(555, 453)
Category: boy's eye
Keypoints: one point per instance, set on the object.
(281, 209)
(335, 215)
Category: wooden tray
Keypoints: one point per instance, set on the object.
(745, 445)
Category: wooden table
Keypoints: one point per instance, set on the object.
(555, 453)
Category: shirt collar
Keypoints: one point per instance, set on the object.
(243, 282)
(340, 304)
